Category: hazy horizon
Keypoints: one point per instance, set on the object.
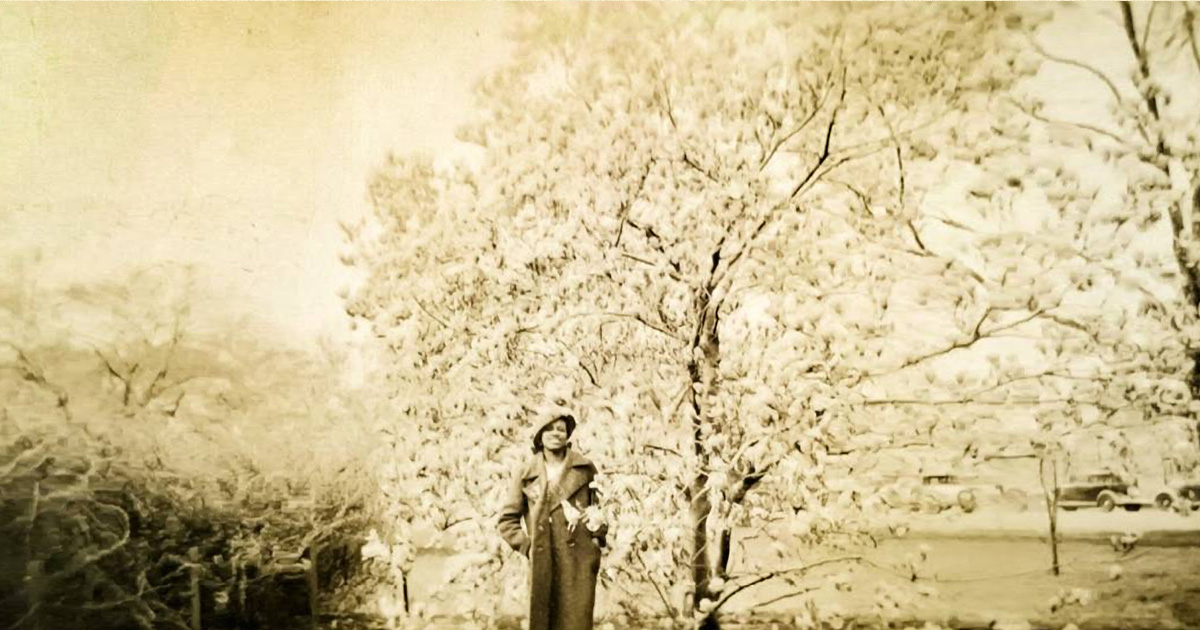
(231, 137)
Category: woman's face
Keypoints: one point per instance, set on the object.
(555, 436)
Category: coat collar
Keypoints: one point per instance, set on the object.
(536, 466)
(577, 473)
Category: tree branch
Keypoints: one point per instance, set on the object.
(964, 401)
(635, 317)
(655, 447)
(1146, 26)
(1141, 55)
(435, 318)
(666, 602)
(670, 273)
(779, 598)
(825, 149)
(899, 154)
(150, 393)
(1084, 126)
(1112, 87)
(670, 111)
(625, 207)
(917, 237)
(975, 337)
(1189, 23)
(729, 594)
(800, 127)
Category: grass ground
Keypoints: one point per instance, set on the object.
(986, 570)
(981, 581)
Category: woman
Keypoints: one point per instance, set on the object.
(562, 537)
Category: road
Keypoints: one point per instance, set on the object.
(1156, 527)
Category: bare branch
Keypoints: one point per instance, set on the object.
(1079, 125)
(1141, 55)
(628, 204)
(1096, 72)
(917, 237)
(977, 335)
(587, 370)
(631, 316)
(687, 159)
(899, 154)
(873, 145)
(655, 447)
(875, 402)
(730, 593)
(672, 274)
(33, 373)
(1067, 322)
(800, 127)
(661, 595)
(825, 150)
(1149, 21)
(670, 111)
(150, 393)
(952, 223)
(788, 595)
(435, 318)
(1189, 23)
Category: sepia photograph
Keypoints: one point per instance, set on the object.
(600, 315)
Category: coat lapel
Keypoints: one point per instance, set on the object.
(575, 476)
(534, 484)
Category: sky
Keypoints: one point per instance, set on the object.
(234, 136)
(228, 136)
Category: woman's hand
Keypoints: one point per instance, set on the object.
(594, 518)
(572, 514)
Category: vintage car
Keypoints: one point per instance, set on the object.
(948, 491)
(936, 492)
(1103, 489)
(1183, 496)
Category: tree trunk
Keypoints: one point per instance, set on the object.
(1050, 492)
(195, 600)
(701, 506)
(1179, 228)
(700, 570)
(314, 588)
(726, 551)
(702, 371)
(1191, 292)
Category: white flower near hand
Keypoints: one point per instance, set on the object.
(595, 518)
(572, 513)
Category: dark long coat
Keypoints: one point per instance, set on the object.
(563, 563)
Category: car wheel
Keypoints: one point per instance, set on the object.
(1106, 503)
(966, 501)
(1163, 501)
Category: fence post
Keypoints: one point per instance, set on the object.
(193, 556)
(404, 582)
(239, 590)
(313, 586)
(34, 575)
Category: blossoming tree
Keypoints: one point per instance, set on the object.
(702, 228)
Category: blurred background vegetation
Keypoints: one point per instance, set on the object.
(142, 459)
